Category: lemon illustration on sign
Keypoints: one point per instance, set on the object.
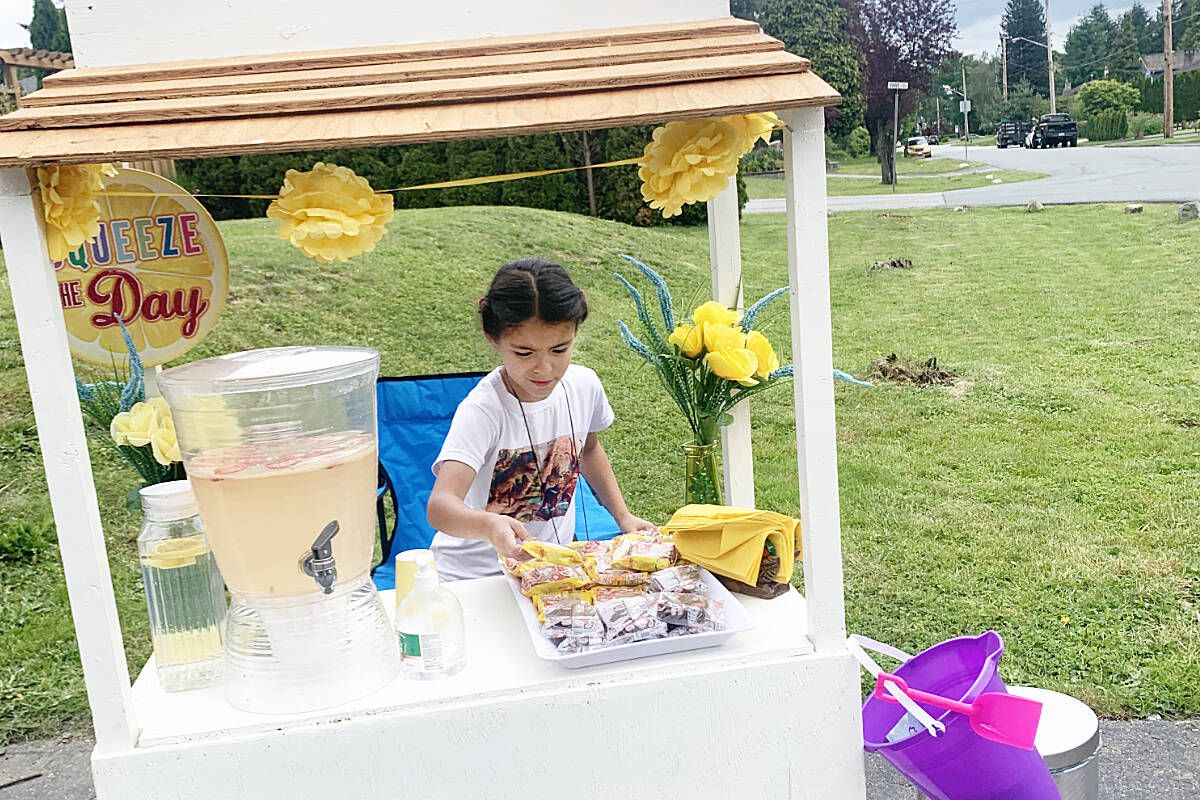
(158, 264)
(175, 553)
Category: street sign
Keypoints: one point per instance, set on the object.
(964, 106)
(897, 84)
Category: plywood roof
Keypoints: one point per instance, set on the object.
(428, 92)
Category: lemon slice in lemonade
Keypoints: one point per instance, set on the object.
(174, 553)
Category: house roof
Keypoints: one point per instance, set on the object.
(1181, 61)
(396, 95)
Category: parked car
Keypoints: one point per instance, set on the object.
(1013, 133)
(933, 138)
(918, 147)
(1053, 130)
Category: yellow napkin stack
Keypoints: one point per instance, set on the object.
(729, 541)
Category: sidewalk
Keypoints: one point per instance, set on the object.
(1141, 759)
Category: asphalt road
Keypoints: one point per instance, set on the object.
(1165, 174)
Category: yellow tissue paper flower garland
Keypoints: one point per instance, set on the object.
(69, 205)
(330, 213)
(691, 161)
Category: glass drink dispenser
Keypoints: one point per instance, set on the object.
(280, 447)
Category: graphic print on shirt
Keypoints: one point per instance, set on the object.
(518, 493)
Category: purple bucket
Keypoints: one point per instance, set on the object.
(959, 764)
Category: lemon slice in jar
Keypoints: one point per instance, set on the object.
(175, 553)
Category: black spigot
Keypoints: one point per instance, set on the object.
(319, 564)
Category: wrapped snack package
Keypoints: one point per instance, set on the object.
(571, 617)
(682, 578)
(695, 613)
(630, 617)
(592, 547)
(580, 644)
(552, 553)
(615, 592)
(540, 601)
(602, 572)
(640, 552)
(552, 578)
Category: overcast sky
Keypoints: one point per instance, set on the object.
(978, 21)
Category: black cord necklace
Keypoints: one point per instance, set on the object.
(537, 467)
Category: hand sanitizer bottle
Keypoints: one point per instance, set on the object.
(429, 625)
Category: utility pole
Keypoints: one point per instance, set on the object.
(1004, 63)
(966, 107)
(1050, 56)
(938, 102)
(1168, 75)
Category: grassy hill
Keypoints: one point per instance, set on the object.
(1051, 493)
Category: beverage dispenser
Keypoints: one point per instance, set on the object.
(280, 448)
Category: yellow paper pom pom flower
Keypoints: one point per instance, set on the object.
(689, 339)
(758, 344)
(734, 364)
(688, 161)
(752, 127)
(330, 213)
(714, 313)
(69, 205)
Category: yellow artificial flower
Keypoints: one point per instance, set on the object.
(688, 161)
(330, 213)
(722, 337)
(768, 362)
(752, 127)
(164, 443)
(689, 339)
(69, 205)
(135, 426)
(715, 313)
(735, 364)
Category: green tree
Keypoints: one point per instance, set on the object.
(1123, 63)
(1107, 95)
(562, 192)
(1149, 40)
(1026, 62)
(421, 164)
(1089, 43)
(48, 27)
(1185, 27)
(819, 30)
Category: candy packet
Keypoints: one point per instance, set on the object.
(592, 547)
(630, 615)
(571, 617)
(601, 570)
(540, 601)
(552, 578)
(639, 552)
(694, 612)
(552, 553)
(682, 578)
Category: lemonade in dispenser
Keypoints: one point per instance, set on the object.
(280, 448)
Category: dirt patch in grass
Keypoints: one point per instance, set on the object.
(909, 372)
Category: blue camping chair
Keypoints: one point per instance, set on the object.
(414, 418)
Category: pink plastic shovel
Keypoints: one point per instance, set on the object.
(997, 716)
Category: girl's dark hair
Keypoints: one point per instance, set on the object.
(530, 288)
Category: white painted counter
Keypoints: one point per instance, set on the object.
(760, 715)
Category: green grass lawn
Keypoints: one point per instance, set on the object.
(760, 188)
(1052, 494)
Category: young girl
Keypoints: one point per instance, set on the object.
(508, 469)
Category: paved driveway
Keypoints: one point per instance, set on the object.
(1166, 174)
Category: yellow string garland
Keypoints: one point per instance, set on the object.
(332, 214)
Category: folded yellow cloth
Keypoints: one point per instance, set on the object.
(729, 541)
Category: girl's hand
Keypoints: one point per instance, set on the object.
(631, 524)
(505, 534)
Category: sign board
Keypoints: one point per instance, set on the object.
(897, 84)
(158, 263)
(964, 106)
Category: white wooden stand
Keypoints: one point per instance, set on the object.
(761, 716)
(774, 713)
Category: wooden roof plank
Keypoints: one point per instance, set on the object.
(447, 90)
(471, 66)
(376, 128)
(397, 54)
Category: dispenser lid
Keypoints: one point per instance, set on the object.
(267, 369)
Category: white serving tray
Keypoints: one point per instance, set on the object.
(736, 621)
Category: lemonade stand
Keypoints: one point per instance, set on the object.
(774, 711)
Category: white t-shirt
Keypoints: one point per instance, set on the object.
(489, 435)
